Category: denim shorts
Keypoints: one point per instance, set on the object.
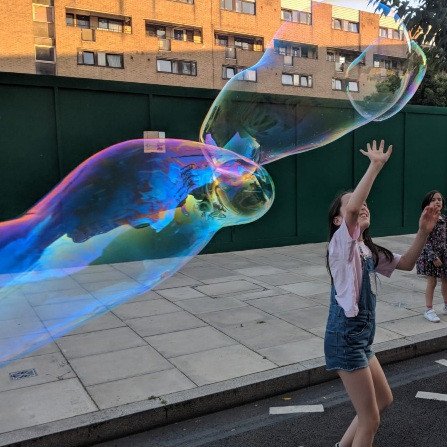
(347, 342)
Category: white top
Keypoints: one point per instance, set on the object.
(345, 264)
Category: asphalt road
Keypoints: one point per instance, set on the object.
(410, 422)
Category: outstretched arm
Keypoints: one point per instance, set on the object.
(378, 157)
(427, 222)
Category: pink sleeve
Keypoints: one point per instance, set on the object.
(385, 267)
(342, 243)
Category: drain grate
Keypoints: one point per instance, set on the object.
(18, 375)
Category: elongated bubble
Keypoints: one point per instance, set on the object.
(335, 68)
(144, 207)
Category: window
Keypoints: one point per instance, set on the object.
(336, 24)
(69, 19)
(221, 40)
(82, 21)
(243, 6)
(86, 58)
(345, 25)
(156, 31)
(298, 80)
(390, 33)
(111, 25)
(390, 63)
(168, 31)
(353, 86)
(249, 75)
(336, 84)
(229, 71)
(44, 53)
(296, 49)
(181, 67)
(92, 21)
(249, 43)
(42, 13)
(330, 56)
(100, 59)
(353, 27)
(290, 15)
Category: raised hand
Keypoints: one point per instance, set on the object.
(377, 155)
(428, 218)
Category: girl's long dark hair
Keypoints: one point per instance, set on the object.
(334, 211)
(429, 196)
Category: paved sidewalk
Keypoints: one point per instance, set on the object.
(234, 324)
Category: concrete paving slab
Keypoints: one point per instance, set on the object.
(293, 352)
(180, 293)
(388, 312)
(109, 276)
(21, 326)
(271, 291)
(178, 280)
(307, 288)
(164, 324)
(90, 343)
(282, 279)
(231, 317)
(261, 271)
(306, 318)
(106, 321)
(282, 303)
(101, 368)
(265, 333)
(49, 285)
(226, 288)
(62, 310)
(207, 304)
(189, 341)
(48, 368)
(148, 308)
(39, 404)
(201, 273)
(221, 364)
(55, 297)
(135, 389)
(413, 325)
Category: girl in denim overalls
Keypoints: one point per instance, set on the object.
(353, 262)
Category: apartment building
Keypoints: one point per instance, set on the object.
(199, 43)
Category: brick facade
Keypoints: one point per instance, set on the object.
(130, 54)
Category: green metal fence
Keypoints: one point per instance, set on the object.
(48, 125)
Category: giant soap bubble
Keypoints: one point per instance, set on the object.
(375, 73)
(163, 200)
(160, 200)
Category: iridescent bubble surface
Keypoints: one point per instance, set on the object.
(373, 76)
(159, 201)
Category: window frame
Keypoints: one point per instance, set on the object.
(178, 66)
(239, 6)
(95, 55)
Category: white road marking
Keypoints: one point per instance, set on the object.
(442, 362)
(297, 409)
(431, 396)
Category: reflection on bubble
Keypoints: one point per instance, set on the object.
(374, 74)
(156, 200)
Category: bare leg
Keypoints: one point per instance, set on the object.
(360, 388)
(444, 289)
(429, 291)
(384, 399)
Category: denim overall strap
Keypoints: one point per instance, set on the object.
(367, 299)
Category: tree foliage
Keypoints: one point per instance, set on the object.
(427, 22)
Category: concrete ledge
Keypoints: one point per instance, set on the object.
(120, 421)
